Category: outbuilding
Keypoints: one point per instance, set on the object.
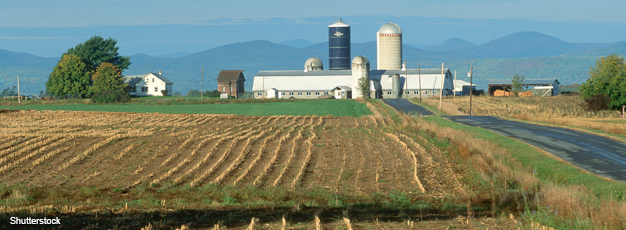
(542, 87)
(231, 82)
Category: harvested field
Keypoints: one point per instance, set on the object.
(126, 150)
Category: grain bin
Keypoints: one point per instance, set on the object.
(396, 89)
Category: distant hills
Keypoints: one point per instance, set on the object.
(532, 54)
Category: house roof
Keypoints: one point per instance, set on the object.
(526, 82)
(229, 75)
(167, 81)
(133, 79)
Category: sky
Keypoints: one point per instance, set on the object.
(49, 28)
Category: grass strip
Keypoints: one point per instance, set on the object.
(337, 108)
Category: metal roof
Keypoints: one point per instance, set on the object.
(526, 82)
(390, 28)
(229, 75)
(302, 73)
(340, 23)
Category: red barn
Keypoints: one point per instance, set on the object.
(231, 82)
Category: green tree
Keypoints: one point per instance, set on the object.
(108, 77)
(97, 50)
(177, 94)
(607, 78)
(71, 77)
(517, 82)
(193, 93)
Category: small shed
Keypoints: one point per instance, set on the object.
(231, 82)
(342, 92)
(551, 85)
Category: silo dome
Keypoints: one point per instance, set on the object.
(390, 28)
(313, 64)
(360, 60)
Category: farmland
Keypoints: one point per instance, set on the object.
(50, 158)
(208, 106)
(559, 110)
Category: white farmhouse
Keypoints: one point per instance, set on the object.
(148, 85)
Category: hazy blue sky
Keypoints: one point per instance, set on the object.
(48, 28)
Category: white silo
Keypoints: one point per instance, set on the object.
(360, 69)
(389, 47)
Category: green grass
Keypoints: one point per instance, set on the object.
(348, 108)
(548, 169)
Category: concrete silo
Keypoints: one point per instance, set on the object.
(360, 70)
(389, 47)
(339, 46)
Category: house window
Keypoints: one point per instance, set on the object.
(282, 93)
(231, 89)
(388, 92)
(325, 93)
(156, 89)
(144, 89)
(223, 89)
(290, 93)
(259, 94)
(407, 92)
(152, 79)
(425, 92)
(415, 92)
(317, 93)
(299, 93)
(308, 93)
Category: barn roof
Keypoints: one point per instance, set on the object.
(229, 75)
(526, 82)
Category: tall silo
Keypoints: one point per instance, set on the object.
(339, 46)
(389, 47)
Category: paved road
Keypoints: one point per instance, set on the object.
(407, 106)
(596, 154)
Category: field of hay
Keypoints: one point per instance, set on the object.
(560, 110)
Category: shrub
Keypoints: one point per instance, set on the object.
(164, 92)
(110, 96)
(214, 93)
(597, 102)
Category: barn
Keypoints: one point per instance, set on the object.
(542, 87)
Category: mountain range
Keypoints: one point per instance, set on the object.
(532, 54)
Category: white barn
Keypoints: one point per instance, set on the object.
(148, 85)
(340, 84)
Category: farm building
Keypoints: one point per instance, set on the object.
(341, 84)
(150, 84)
(231, 82)
(541, 87)
(462, 88)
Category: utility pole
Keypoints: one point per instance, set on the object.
(471, 85)
(441, 90)
(419, 76)
(19, 96)
(201, 83)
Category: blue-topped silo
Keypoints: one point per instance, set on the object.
(339, 46)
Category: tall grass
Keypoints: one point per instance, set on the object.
(542, 189)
